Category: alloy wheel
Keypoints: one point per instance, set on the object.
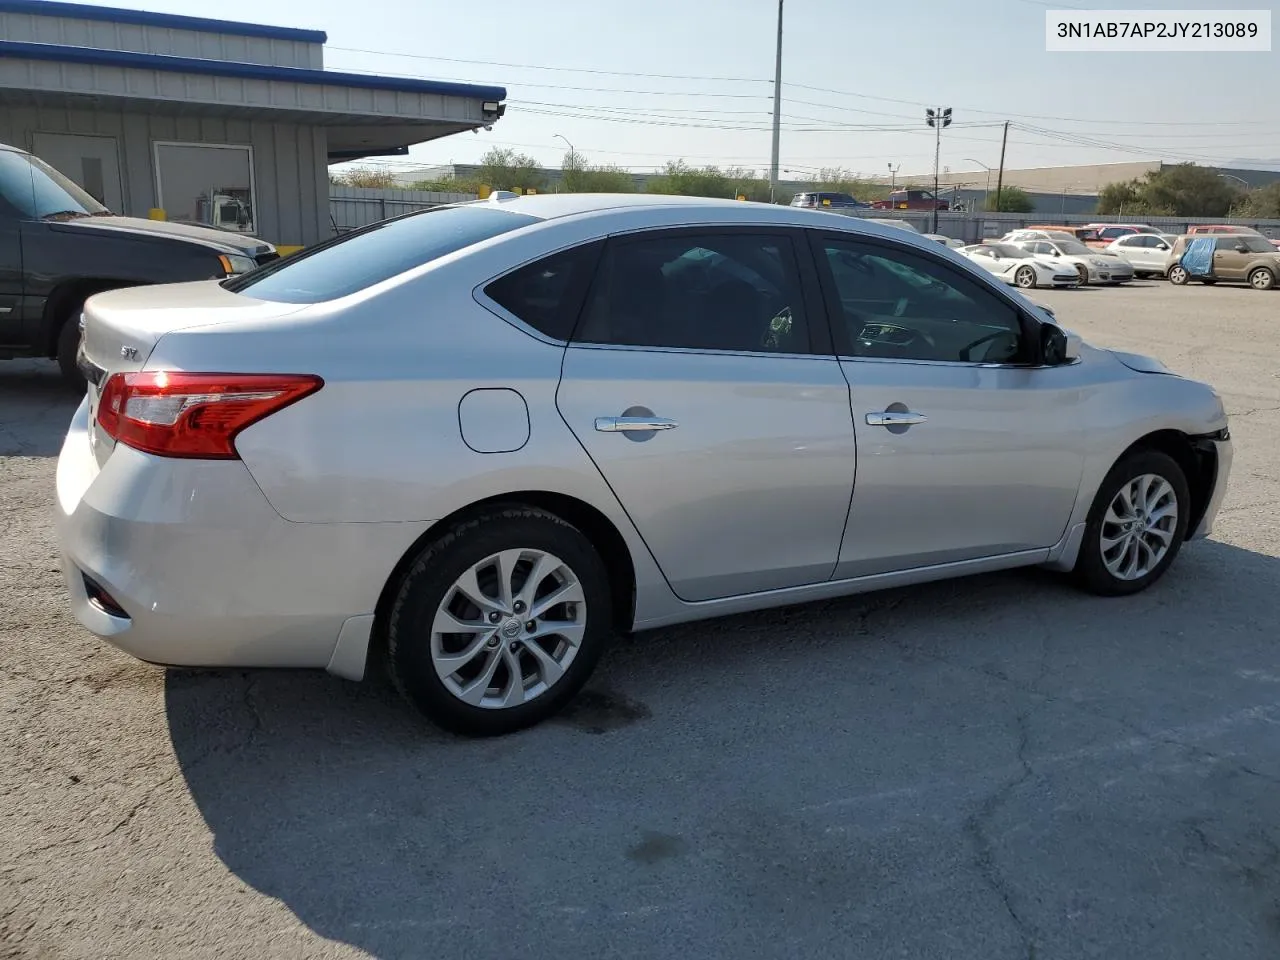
(1138, 527)
(1262, 279)
(508, 628)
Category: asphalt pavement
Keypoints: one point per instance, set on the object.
(996, 767)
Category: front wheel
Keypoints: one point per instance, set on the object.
(1025, 278)
(1083, 273)
(499, 622)
(1136, 525)
(1178, 275)
(1262, 279)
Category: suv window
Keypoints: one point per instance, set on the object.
(899, 304)
(548, 293)
(358, 260)
(699, 291)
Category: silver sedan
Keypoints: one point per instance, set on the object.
(487, 437)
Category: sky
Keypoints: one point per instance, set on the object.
(641, 83)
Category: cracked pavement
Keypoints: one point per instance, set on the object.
(991, 768)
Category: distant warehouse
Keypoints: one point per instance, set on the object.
(228, 124)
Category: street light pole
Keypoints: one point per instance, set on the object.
(572, 154)
(777, 110)
(987, 188)
(937, 117)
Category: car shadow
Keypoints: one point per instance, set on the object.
(35, 408)
(647, 801)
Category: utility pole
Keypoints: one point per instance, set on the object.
(1004, 142)
(777, 110)
(937, 118)
(893, 175)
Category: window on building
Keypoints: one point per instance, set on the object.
(207, 184)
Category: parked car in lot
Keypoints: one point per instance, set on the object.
(1147, 253)
(1082, 234)
(1105, 233)
(58, 246)
(911, 199)
(1230, 229)
(945, 240)
(1019, 268)
(485, 437)
(1091, 266)
(827, 199)
(1235, 258)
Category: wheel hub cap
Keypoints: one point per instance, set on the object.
(508, 628)
(1139, 526)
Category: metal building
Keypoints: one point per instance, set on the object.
(228, 124)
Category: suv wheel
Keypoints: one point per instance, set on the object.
(1136, 525)
(499, 622)
(1262, 279)
(68, 345)
(1178, 275)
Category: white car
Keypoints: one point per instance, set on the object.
(951, 242)
(1019, 268)
(1147, 253)
(1091, 266)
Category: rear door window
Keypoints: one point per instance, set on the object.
(548, 293)
(359, 260)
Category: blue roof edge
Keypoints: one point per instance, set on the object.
(143, 18)
(58, 53)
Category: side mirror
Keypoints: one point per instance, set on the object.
(1057, 346)
(1241, 248)
(1162, 246)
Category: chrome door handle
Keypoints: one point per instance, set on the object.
(633, 424)
(892, 418)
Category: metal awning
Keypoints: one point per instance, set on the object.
(363, 115)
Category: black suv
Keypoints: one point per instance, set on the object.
(59, 246)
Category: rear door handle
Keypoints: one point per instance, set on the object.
(633, 424)
(894, 418)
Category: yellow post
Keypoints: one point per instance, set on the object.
(484, 191)
(156, 213)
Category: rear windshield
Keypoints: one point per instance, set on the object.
(359, 260)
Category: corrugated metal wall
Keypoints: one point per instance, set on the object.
(289, 161)
(351, 207)
(73, 32)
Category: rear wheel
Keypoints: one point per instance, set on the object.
(1136, 525)
(1178, 275)
(499, 622)
(1262, 279)
(1025, 277)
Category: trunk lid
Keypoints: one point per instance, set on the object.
(122, 327)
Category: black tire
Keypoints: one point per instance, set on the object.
(1083, 273)
(1262, 279)
(1025, 278)
(433, 574)
(1178, 275)
(68, 344)
(1090, 570)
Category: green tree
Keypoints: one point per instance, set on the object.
(363, 177)
(839, 180)
(579, 176)
(1262, 203)
(1012, 200)
(505, 169)
(1180, 190)
(1115, 198)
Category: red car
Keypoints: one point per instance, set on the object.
(1104, 233)
(911, 200)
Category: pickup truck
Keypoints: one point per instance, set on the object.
(59, 246)
(911, 200)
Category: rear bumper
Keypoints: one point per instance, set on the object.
(185, 563)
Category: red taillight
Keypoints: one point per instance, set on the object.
(177, 414)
